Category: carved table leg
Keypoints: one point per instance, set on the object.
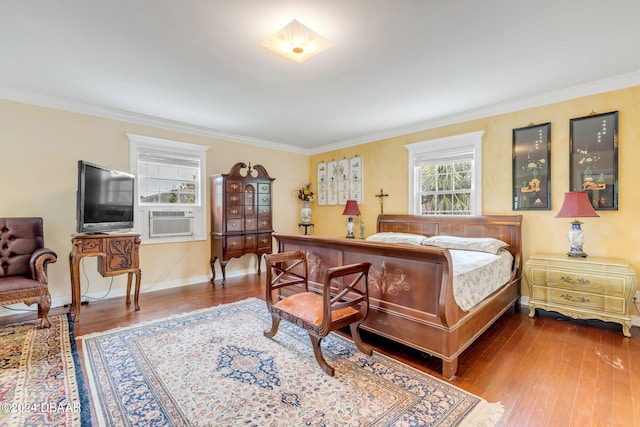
(129, 277)
(74, 264)
(137, 291)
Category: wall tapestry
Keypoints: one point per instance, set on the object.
(593, 163)
(532, 167)
(339, 181)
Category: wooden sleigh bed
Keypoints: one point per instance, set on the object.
(411, 287)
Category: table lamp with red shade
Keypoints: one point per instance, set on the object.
(576, 205)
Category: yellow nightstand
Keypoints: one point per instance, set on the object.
(582, 288)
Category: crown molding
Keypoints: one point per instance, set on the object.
(73, 106)
(606, 85)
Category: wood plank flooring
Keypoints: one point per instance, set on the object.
(546, 371)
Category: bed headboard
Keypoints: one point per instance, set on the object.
(504, 227)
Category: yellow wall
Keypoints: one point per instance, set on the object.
(40, 151)
(614, 234)
(41, 147)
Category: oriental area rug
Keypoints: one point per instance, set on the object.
(214, 367)
(41, 381)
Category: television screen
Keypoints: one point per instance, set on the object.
(105, 199)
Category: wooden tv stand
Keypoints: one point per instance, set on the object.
(119, 254)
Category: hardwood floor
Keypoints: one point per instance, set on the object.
(546, 371)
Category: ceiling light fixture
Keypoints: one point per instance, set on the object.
(296, 42)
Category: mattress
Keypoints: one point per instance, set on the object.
(476, 275)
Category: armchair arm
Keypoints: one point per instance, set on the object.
(38, 263)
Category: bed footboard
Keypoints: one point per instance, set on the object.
(411, 287)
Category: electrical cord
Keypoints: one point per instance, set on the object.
(84, 294)
(22, 310)
(165, 273)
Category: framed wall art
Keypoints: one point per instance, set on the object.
(532, 167)
(322, 184)
(339, 181)
(355, 174)
(342, 177)
(332, 183)
(593, 162)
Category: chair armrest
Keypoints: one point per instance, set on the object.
(38, 263)
(341, 299)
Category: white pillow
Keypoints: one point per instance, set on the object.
(390, 237)
(480, 244)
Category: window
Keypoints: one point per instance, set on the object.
(445, 176)
(170, 189)
(165, 177)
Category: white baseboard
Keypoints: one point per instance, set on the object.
(14, 309)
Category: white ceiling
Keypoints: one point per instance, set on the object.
(395, 66)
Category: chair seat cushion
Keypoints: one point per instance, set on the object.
(308, 307)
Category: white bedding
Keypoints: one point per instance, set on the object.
(476, 275)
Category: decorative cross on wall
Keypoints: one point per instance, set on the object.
(381, 195)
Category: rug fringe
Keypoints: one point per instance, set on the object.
(485, 414)
(162, 319)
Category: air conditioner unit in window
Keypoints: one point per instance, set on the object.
(168, 223)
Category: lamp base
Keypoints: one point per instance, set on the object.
(576, 240)
(350, 234)
(577, 254)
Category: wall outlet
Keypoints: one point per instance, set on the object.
(637, 297)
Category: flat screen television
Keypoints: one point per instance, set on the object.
(105, 199)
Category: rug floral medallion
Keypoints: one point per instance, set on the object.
(41, 381)
(214, 367)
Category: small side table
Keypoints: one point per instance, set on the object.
(306, 227)
(117, 254)
(582, 288)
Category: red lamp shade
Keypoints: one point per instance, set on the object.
(351, 208)
(576, 205)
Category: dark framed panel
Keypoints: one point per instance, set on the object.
(593, 163)
(532, 167)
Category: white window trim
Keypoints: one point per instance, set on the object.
(442, 146)
(141, 215)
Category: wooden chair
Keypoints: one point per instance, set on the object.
(344, 300)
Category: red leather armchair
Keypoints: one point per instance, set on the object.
(23, 265)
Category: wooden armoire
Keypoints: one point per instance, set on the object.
(241, 215)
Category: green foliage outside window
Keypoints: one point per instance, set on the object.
(445, 188)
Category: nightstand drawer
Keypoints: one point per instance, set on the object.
(581, 300)
(583, 282)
